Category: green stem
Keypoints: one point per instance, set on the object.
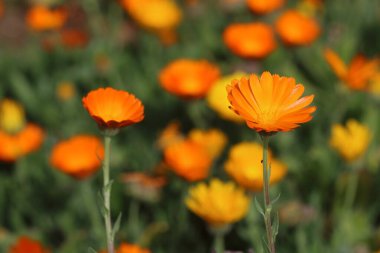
(107, 194)
(267, 202)
(351, 190)
(218, 242)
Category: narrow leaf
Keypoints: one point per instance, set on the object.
(116, 226)
(258, 207)
(91, 250)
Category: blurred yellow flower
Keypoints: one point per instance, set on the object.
(213, 140)
(217, 97)
(245, 167)
(374, 84)
(218, 203)
(65, 90)
(12, 116)
(351, 141)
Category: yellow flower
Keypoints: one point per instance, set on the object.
(213, 140)
(245, 167)
(12, 116)
(351, 141)
(218, 203)
(217, 97)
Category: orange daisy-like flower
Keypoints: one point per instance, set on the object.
(271, 103)
(297, 29)
(40, 18)
(264, 6)
(129, 248)
(79, 156)
(25, 244)
(112, 108)
(359, 72)
(251, 40)
(14, 146)
(188, 159)
(189, 79)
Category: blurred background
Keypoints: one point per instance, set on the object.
(177, 57)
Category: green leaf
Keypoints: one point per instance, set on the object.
(91, 250)
(275, 226)
(258, 207)
(116, 226)
(276, 199)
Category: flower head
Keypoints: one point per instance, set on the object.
(213, 140)
(188, 159)
(80, 156)
(41, 18)
(297, 29)
(74, 38)
(170, 135)
(25, 244)
(271, 103)
(217, 99)
(12, 116)
(113, 109)
(264, 6)
(129, 248)
(65, 90)
(357, 74)
(189, 79)
(251, 40)
(351, 141)
(245, 167)
(218, 203)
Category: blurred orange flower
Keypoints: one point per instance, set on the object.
(297, 29)
(65, 90)
(73, 38)
(13, 146)
(213, 140)
(359, 72)
(264, 6)
(27, 245)
(112, 108)
(1, 8)
(41, 18)
(271, 103)
(170, 135)
(245, 167)
(129, 248)
(251, 40)
(80, 156)
(188, 159)
(189, 79)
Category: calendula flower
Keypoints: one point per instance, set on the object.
(74, 38)
(245, 167)
(218, 203)
(170, 135)
(65, 90)
(213, 140)
(264, 6)
(271, 103)
(217, 99)
(357, 74)
(297, 29)
(129, 248)
(351, 141)
(113, 109)
(251, 40)
(41, 18)
(80, 156)
(189, 79)
(188, 159)
(26, 245)
(12, 116)
(159, 16)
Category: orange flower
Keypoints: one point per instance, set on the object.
(189, 79)
(129, 248)
(79, 156)
(252, 40)
(112, 108)
(358, 74)
(264, 6)
(188, 159)
(14, 146)
(41, 18)
(296, 28)
(271, 103)
(27, 245)
(170, 135)
(213, 140)
(73, 38)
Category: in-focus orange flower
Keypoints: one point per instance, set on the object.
(41, 18)
(357, 74)
(188, 159)
(271, 103)
(264, 6)
(73, 38)
(27, 245)
(13, 146)
(251, 40)
(80, 156)
(189, 79)
(297, 29)
(113, 109)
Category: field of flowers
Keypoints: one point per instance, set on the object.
(183, 126)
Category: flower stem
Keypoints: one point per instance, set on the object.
(267, 202)
(352, 186)
(107, 194)
(219, 242)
